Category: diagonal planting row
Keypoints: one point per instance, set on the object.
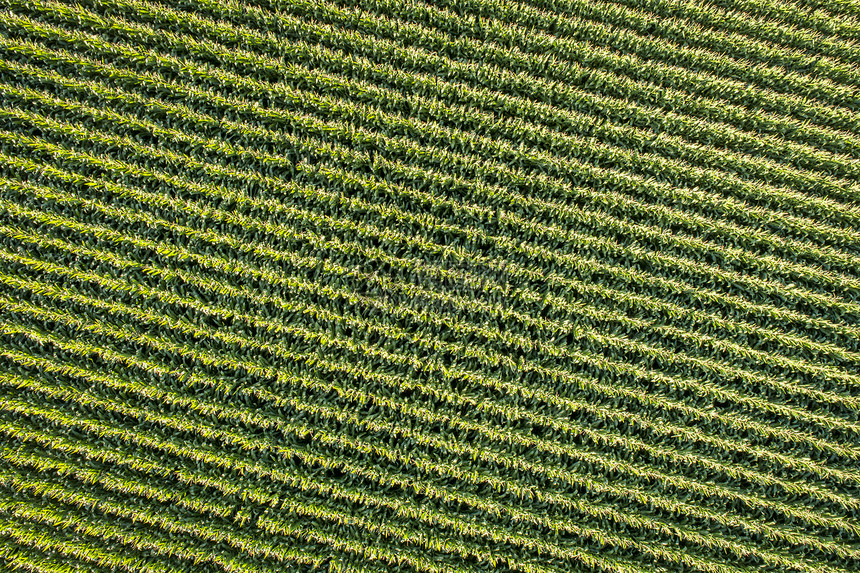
(562, 60)
(280, 328)
(586, 38)
(240, 37)
(66, 156)
(412, 317)
(622, 111)
(210, 263)
(237, 153)
(595, 313)
(112, 143)
(831, 233)
(348, 286)
(90, 134)
(284, 233)
(66, 370)
(373, 35)
(751, 38)
(545, 444)
(235, 55)
(460, 523)
(111, 519)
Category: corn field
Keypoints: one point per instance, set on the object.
(367, 286)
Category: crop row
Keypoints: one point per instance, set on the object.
(110, 519)
(30, 541)
(355, 286)
(223, 290)
(221, 148)
(637, 141)
(269, 158)
(376, 36)
(111, 167)
(291, 507)
(559, 59)
(231, 293)
(276, 280)
(283, 503)
(283, 232)
(266, 67)
(838, 18)
(592, 29)
(596, 436)
(89, 376)
(280, 327)
(753, 38)
(113, 143)
(243, 222)
(256, 369)
(479, 89)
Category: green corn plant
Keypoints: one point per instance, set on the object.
(256, 370)
(678, 406)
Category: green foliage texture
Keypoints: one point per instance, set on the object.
(462, 286)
